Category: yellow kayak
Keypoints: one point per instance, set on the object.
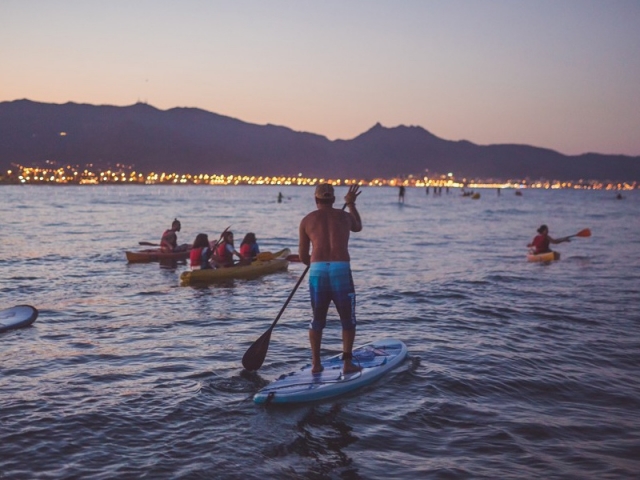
(265, 263)
(543, 257)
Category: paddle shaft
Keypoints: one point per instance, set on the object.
(220, 238)
(151, 244)
(304, 273)
(257, 352)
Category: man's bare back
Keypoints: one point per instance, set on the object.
(327, 229)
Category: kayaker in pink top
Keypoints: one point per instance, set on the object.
(540, 243)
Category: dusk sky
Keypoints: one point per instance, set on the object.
(560, 74)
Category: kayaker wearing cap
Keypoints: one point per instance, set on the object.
(169, 240)
(540, 243)
(326, 231)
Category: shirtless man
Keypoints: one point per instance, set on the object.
(327, 230)
(169, 240)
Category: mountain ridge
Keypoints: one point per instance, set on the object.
(193, 140)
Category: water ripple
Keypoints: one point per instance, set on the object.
(516, 370)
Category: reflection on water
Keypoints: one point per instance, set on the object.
(320, 440)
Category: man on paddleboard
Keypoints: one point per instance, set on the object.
(326, 231)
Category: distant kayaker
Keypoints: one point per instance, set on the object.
(280, 197)
(169, 240)
(249, 248)
(200, 253)
(326, 232)
(225, 251)
(401, 194)
(540, 243)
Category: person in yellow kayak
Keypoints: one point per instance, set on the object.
(169, 240)
(249, 248)
(200, 253)
(541, 242)
(225, 251)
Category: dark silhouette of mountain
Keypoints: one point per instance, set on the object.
(190, 140)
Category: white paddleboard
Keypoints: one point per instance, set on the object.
(17, 317)
(375, 358)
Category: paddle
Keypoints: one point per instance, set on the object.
(151, 244)
(255, 355)
(221, 236)
(585, 232)
(217, 242)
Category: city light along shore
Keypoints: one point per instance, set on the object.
(121, 175)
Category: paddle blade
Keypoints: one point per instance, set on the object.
(255, 355)
(584, 233)
(149, 244)
(265, 256)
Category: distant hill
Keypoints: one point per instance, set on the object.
(190, 140)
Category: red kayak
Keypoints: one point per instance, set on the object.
(155, 255)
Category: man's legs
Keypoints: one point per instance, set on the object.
(315, 340)
(348, 337)
(320, 292)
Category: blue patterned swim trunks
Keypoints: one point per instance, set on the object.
(332, 281)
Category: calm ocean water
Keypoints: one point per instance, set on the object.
(516, 370)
